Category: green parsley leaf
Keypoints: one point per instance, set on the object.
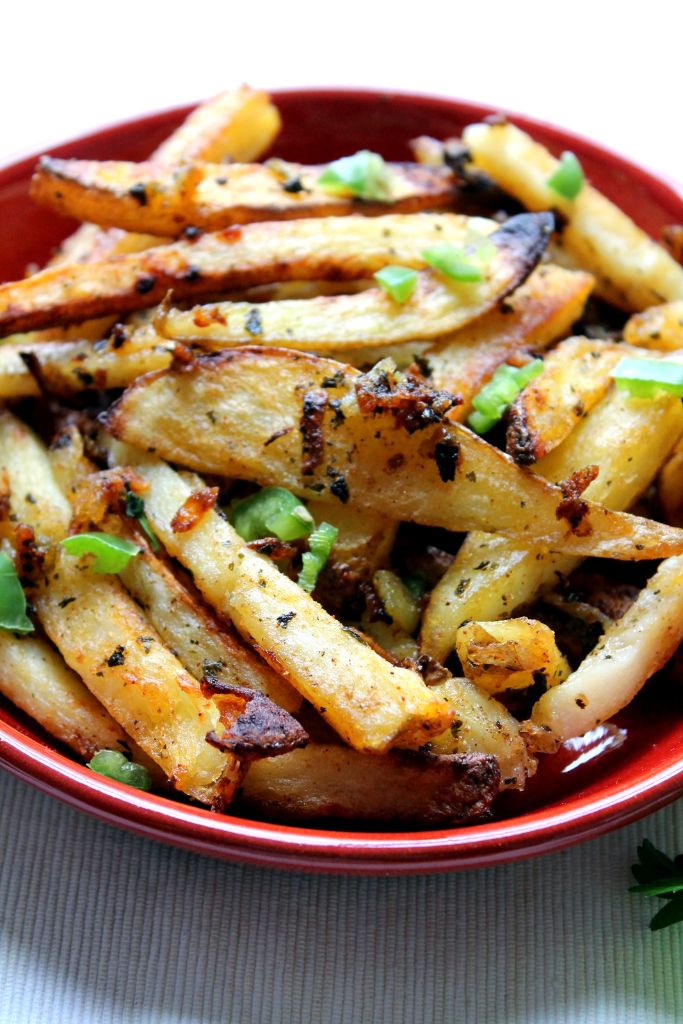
(660, 876)
(398, 282)
(363, 175)
(12, 599)
(115, 765)
(568, 178)
(112, 554)
(135, 508)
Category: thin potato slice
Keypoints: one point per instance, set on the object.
(271, 416)
(575, 376)
(631, 650)
(510, 655)
(372, 704)
(328, 781)
(491, 576)
(632, 271)
(67, 367)
(659, 327)
(163, 200)
(339, 322)
(344, 248)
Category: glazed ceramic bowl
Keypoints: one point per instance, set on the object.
(589, 787)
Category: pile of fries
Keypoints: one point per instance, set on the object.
(431, 665)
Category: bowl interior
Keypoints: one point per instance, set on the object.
(576, 793)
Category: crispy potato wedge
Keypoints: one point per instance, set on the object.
(35, 678)
(163, 200)
(338, 322)
(484, 726)
(373, 705)
(338, 247)
(575, 376)
(510, 655)
(273, 417)
(325, 781)
(659, 327)
(67, 367)
(631, 650)
(631, 270)
(670, 487)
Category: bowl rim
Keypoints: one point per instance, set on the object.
(572, 820)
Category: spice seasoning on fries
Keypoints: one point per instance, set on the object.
(317, 501)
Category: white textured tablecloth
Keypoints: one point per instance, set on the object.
(100, 927)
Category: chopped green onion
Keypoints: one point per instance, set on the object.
(116, 766)
(12, 599)
(135, 508)
(364, 175)
(647, 378)
(398, 282)
(415, 583)
(453, 262)
(568, 178)
(313, 561)
(112, 554)
(272, 512)
(494, 398)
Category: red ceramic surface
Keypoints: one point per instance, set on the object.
(578, 793)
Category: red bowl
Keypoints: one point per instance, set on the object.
(577, 794)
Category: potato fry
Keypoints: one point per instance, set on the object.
(483, 725)
(510, 655)
(443, 475)
(339, 247)
(632, 271)
(339, 322)
(329, 781)
(575, 376)
(659, 327)
(163, 200)
(630, 651)
(373, 705)
(491, 576)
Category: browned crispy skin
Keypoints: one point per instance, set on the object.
(153, 199)
(336, 782)
(337, 248)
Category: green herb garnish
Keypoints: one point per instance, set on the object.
(112, 554)
(115, 765)
(648, 378)
(398, 282)
(453, 262)
(568, 178)
(659, 875)
(272, 512)
(135, 508)
(12, 599)
(363, 175)
(313, 561)
(495, 397)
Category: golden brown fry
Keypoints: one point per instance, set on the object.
(373, 705)
(371, 455)
(575, 376)
(631, 650)
(329, 781)
(659, 327)
(339, 247)
(632, 271)
(163, 200)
